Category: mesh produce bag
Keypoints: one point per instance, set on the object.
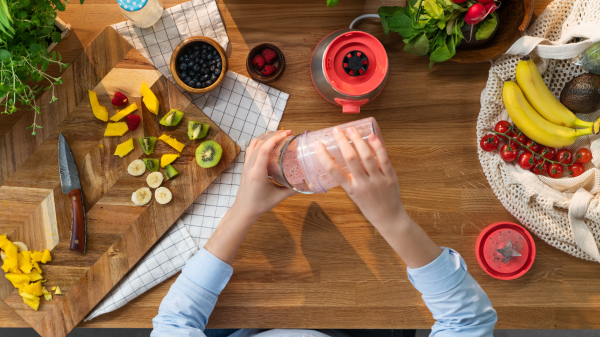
(563, 212)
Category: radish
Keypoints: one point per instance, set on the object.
(458, 1)
(475, 14)
(490, 7)
(485, 1)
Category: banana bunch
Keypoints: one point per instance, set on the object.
(536, 112)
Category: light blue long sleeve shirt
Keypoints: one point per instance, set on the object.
(457, 302)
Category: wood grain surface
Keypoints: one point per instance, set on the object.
(34, 209)
(314, 261)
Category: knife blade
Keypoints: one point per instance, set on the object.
(70, 184)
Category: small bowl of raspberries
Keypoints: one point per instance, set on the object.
(198, 64)
(265, 63)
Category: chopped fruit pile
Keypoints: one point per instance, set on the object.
(23, 271)
(263, 62)
(98, 110)
(539, 159)
(199, 65)
(172, 142)
(124, 148)
(119, 99)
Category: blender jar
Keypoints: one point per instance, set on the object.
(294, 162)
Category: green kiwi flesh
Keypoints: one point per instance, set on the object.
(148, 144)
(208, 154)
(171, 118)
(170, 172)
(151, 164)
(197, 130)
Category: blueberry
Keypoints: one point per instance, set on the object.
(204, 65)
(183, 74)
(196, 68)
(212, 68)
(196, 47)
(209, 82)
(209, 57)
(187, 79)
(213, 78)
(219, 65)
(214, 52)
(204, 53)
(204, 78)
(204, 46)
(190, 64)
(217, 71)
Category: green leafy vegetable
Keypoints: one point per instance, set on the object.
(26, 30)
(487, 27)
(418, 46)
(332, 3)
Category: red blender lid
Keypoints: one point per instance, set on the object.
(505, 250)
(355, 63)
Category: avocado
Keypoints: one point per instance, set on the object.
(582, 94)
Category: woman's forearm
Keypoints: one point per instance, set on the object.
(409, 240)
(228, 237)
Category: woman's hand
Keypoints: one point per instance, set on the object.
(372, 182)
(257, 194)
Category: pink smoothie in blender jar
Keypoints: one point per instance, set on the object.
(294, 162)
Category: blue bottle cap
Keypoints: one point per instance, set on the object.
(132, 5)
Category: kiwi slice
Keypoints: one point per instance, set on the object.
(148, 144)
(151, 164)
(208, 154)
(170, 172)
(171, 118)
(197, 130)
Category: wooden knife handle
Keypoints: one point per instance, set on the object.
(78, 229)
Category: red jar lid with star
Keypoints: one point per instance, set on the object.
(505, 250)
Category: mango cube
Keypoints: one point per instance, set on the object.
(98, 110)
(46, 256)
(17, 278)
(123, 149)
(116, 129)
(149, 99)
(167, 159)
(122, 113)
(34, 304)
(172, 142)
(35, 275)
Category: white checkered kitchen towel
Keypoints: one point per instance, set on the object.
(240, 106)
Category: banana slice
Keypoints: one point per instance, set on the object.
(136, 168)
(154, 179)
(141, 196)
(20, 246)
(163, 195)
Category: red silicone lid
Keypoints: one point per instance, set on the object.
(504, 236)
(349, 45)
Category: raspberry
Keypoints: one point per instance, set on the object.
(258, 61)
(133, 121)
(269, 54)
(119, 99)
(268, 70)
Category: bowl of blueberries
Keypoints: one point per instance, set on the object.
(198, 64)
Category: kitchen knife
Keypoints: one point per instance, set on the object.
(69, 179)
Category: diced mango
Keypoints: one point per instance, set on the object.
(46, 256)
(122, 113)
(116, 129)
(149, 99)
(98, 110)
(17, 278)
(47, 294)
(36, 266)
(34, 304)
(57, 291)
(167, 159)
(172, 142)
(3, 240)
(35, 275)
(36, 256)
(124, 148)
(54, 288)
(25, 262)
(34, 289)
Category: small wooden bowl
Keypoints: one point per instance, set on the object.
(189, 41)
(514, 18)
(256, 74)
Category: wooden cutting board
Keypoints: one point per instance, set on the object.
(34, 210)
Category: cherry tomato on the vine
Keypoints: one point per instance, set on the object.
(540, 167)
(555, 170)
(564, 156)
(583, 155)
(502, 127)
(526, 161)
(522, 139)
(489, 142)
(576, 169)
(548, 152)
(509, 152)
(533, 146)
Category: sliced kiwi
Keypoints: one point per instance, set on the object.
(208, 154)
(147, 144)
(170, 172)
(171, 118)
(197, 130)
(151, 164)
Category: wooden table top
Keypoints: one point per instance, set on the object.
(314, 261)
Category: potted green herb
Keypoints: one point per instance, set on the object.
(27, 30)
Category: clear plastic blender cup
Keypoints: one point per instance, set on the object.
(294, 162)
(142, 13)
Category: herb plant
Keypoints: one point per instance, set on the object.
(26, 30)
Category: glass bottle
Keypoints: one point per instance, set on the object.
(142, 13)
